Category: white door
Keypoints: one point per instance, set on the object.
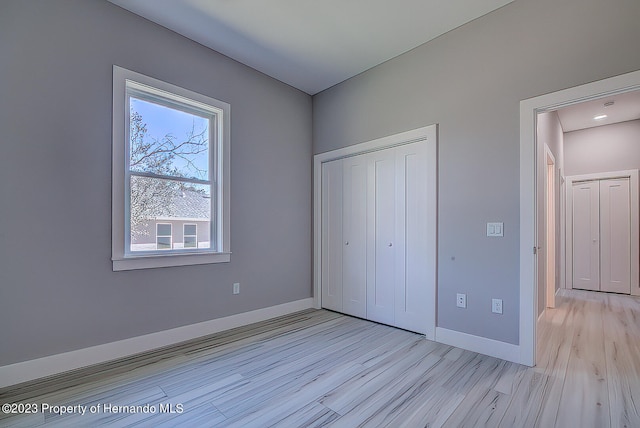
(586, 235)
(332, 244)
(615, 236)
(381, 214)
(411, 242)
(378, 233)
(354, 235)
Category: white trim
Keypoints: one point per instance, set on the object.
(550, 249)
(401, 138)
(191, 219)
(563, 232)
(427, 133)
(528, 111)
(633, 176)
(169, 260)
(184, 235)
(164, 236)
(482, 345)
(25, 371)
(627, 173)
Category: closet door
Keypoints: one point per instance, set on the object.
(354, 235)
(332, 244)
(615, 236)
(586, 235)
(381, 256)
(411, 238)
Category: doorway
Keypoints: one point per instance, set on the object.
(529, 230)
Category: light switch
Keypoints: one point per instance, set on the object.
(495, 229)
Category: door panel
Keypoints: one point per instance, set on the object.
(411, 237)
(381, 217)
(332, 235)
(586, 236)
(615, 235)
(354, 235)
(376, 236)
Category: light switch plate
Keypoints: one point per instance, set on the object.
(495, 229)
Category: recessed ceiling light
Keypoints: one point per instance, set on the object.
(602, 116)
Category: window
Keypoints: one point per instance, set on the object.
(170, 167)
(164, 240)
(190, 235)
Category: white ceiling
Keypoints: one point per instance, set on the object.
(581, 116)
(309, 44)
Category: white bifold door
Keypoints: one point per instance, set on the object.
(375, 236)
(602, 235)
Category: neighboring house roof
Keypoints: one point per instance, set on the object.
(188, 204)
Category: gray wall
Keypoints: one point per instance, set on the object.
(549, 132)
(57, 290)
(604, 148)
(470, 81)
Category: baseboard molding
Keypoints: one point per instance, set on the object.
(482, 345)
(26, 371)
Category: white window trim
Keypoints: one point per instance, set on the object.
(184, 234)
(122, 260)
(164, 236)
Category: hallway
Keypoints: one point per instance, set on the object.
(588, 362)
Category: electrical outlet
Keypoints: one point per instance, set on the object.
(236, 288)
(496, 306)
(461, 300)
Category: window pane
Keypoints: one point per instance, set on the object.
(190, 242)
(156, 200)
(168, 141)
(163, 229)
(190, 229)
(164, 243)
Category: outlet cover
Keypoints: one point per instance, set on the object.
(496, 306)
(461, 300)
(236, 288)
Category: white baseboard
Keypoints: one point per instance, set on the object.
(25, 371)
(481, 345)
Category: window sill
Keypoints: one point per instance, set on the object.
(155, 261)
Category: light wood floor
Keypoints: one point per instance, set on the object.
(318, 368)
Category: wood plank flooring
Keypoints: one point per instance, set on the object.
(319, 368)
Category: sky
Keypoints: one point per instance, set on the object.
(161, 120)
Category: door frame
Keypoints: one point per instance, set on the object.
(428, 134)
(550, 226)
(529, 109)
(632, 175)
